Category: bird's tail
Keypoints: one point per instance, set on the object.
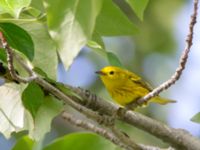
(161, 100)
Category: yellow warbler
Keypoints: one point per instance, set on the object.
(125, 86)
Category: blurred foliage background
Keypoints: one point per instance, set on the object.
(153, 53)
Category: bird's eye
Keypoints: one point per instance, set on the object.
(111, 72)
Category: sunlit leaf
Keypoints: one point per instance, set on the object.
(73, 26)
(97, 48)
(18, 38)
(11, 108)
(78, 141)
(138, 7)
(45, 49)
(196, 118)
(13, 7)
(47, 111)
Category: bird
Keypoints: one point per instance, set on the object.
(126, 87)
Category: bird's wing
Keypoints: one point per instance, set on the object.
(136, 79)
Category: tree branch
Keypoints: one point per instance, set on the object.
(181, 67)
(99, 130)
(178, 138)
(106, 133)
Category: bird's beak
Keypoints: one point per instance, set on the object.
(100, 73)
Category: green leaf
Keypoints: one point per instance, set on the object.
(73, 26)
(96, 37)
(31, 11)
(45, 49)
(18, 38)
(3, 56)
(78, 141)
(24, 143)
(33, 98)
(13, 7)
(112, 22)
(97, 48)
(37, 4)
(47, 111)
(113, 60)
(40, 72)
(12, 114)
(66, 90)
(196, 118)
(111, 57)
(138, 7)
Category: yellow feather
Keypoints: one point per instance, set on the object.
(125, 86)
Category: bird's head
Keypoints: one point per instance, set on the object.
(112, 75)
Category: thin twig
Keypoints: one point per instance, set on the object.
(11, 68)
(181, 67)
(91, 127)
(155, 148)
(125, 138)
(25, 66)
(67, 99)
(105, 133)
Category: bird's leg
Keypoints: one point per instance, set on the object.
(110, 120)
(134, 104)
(106, 120)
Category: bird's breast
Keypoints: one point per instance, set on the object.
(123, 95)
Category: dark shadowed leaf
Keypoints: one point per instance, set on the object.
(33, 98)
(3, 56)
(112, 22)
(18, 39)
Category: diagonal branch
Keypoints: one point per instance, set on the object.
(99, 130)
(106, 133)
(181, 67)
(178, 138)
